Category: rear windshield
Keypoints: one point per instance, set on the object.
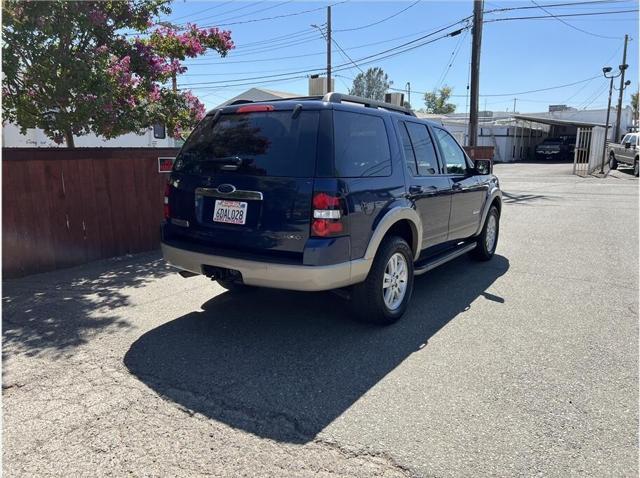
(270, 143)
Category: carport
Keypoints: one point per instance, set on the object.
(589, 139)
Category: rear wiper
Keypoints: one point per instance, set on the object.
(230, 163)
(237, 160)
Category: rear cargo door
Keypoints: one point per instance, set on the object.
(246, 180)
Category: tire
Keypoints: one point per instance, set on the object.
(636, 168)
(376, 304)
(233, 286)
(485, 247)
(613, 164)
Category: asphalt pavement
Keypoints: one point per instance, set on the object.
(525, 365)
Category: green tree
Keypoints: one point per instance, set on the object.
(634, 104)
(372, 84)
(72, 68)
(436, 101)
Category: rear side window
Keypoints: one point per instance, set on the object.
(361, 145)
(270, 143)
(423, 147)
(409, 157)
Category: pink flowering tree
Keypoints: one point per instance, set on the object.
(72, 68)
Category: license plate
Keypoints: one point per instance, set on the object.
(230, 212)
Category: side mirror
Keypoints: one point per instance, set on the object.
(627, 145)
(482, 166)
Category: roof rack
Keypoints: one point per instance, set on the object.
(293, 98)
(339, 98)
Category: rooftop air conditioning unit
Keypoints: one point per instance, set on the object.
(318, 85)
(394, 98)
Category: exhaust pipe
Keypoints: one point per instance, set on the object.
(187, 274)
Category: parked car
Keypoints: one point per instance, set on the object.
(625, 152)
(333, 192)
(556, 148)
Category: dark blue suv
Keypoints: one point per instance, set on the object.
(319, 193)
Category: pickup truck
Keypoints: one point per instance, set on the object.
(556, 148)
(625, 152)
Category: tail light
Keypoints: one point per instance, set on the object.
(167, 193)
(327, 216)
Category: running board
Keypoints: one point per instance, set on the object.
(421, 268)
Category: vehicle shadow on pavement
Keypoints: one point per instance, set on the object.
(283, 365)
(525, 198)
(58, 311)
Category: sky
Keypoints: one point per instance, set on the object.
(276, 39)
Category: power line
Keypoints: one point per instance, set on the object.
(454, 55)
(362, 27)
(539, 89)
(278, 38)
(573, 26)
(516, 93)
(270, 7)
(220, 14)
(346, 55)
(553, 5)
(537, 17)
(279, 44)
(202, 11)
(276, 16)
(226, 62)
(397, 50)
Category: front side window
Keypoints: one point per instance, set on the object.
(423, 147)
(452, 155)
(361, 145)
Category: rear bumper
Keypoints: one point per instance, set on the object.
(278, 276)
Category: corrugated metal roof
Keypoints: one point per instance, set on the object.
(556, 121)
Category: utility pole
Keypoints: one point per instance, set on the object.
(328, 48)
(409, 93)
(606, 126)
(605, 70)
(475, 71)
(616, 135)
(514, 104)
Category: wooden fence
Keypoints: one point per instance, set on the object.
(66, 207)
(480, 152)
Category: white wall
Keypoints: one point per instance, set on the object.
(509, 143)
(35, 138)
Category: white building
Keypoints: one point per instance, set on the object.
(35, 138)
(515, 136)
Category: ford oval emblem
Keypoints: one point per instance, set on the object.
(226, 188)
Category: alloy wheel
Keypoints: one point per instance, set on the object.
(394, 283)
